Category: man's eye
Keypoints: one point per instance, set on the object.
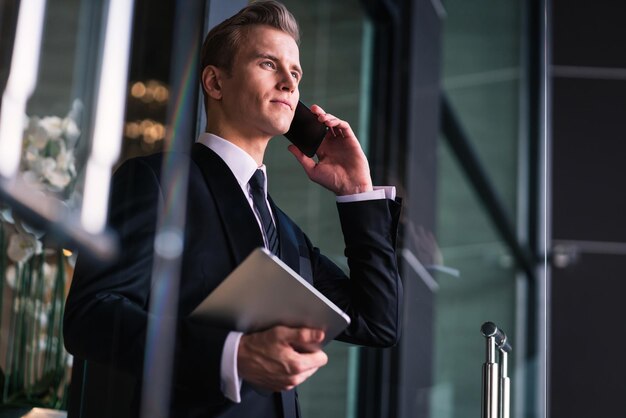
(268, 64)
(295, 75)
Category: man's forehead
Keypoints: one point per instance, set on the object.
(262, 39)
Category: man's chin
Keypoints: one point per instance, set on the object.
(281, 129)
(278, 127)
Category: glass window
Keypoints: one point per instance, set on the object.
(34, 270)
(483, 290)
(482, 73)
(333, 54)
(58, 124)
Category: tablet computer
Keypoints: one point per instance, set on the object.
(263, 292)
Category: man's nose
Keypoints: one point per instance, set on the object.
(287, 81)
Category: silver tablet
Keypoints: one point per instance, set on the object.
(263, 292)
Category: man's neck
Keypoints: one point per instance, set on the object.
(254, 146)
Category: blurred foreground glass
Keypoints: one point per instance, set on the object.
(47, 200)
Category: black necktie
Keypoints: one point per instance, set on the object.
(260, 203)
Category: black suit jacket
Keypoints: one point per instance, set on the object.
(106, 312)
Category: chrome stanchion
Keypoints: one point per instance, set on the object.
(505, 386)
(489, 405)
(496, 389)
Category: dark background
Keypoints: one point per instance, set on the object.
(588, 116)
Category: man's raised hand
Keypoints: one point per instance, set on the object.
(342, 166)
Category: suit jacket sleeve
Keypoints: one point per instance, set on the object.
(372, 294)
(106, 314)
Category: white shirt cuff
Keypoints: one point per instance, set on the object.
(379, 192)
(231, 383)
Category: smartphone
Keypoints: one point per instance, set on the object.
(306, 132)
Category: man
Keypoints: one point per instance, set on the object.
(250, 76)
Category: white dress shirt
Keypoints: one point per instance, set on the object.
(243, 166)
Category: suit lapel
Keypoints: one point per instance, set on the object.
(242, 230)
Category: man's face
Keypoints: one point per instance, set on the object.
(261, 94)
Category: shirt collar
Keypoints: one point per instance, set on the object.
(240, 162)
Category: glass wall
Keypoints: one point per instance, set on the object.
(482, 78)
(476, 276)
(34, 270)
(334, 53)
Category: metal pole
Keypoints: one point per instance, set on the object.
(496, 399)
(505, 386)
(490, 381)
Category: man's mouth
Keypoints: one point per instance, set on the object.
(283, 102)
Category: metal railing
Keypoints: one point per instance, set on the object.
(496, 388)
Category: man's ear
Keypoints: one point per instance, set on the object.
(212, 81)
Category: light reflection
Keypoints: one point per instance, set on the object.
(148, 130)
(21, 83)
(138, 89)
(150, 92)
(109, 120)
(147, 101)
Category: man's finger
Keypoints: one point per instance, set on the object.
(308, 341)
(309, 336)
(313, 360)
(302, 362)
(317, 110)
(294, 381)
(301, 339)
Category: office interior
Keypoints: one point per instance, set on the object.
(500, 123)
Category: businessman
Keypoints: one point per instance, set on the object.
(250, 76)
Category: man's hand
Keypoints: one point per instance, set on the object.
(280, 358)
(342, 166)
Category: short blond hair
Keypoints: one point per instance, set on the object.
(224, 40)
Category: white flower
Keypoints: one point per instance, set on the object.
(11, 276)
(31, 155)
(22, 246)
(57, 178)
(53, 126)
(36, 134)
(71, 131)
(6, 215)
(48, 153)
(65, 160)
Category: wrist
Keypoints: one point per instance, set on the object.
(355, 189)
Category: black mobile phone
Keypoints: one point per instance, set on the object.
(306, 132)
